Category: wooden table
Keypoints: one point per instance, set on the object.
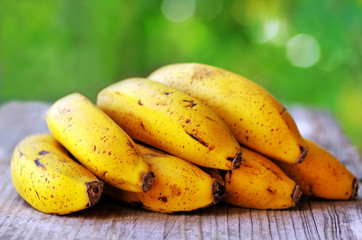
(311, 219)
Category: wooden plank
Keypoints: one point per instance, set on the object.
(311, 219)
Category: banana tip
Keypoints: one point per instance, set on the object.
(303, 154)
(297, 193)
(94, 191)
(148, 181)
(218, 191)
(354, 189)
(236, 162)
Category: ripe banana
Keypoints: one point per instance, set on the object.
(322, 175)
(49, 180)
(258, 183)
(172, 121)
(98, 143)
(178, 185)
(255, 117)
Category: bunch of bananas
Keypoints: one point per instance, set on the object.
(186, 137)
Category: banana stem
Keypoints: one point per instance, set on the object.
(236, 161)
(354, 189)
(147, 181)
(297, 193)
(303, 154)
(218, 191)
(94, 191)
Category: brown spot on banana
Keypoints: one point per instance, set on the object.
(37, 194)
(310, 190)
(163, 199)
(198, 139)
(271, 191)
(261, 108)
(140, 103)
(284, 109)
(276, 174)
(38, 164)
(200, 74)
(130, 144)
(142, 126)
(210, 119)
(94, 192)
(191, 103)
(43, 153)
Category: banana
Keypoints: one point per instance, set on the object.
(172, 121)
(255, 117)
(322, 175)
(49, 180)
(178, 185)
(98, 143)
(258, 184)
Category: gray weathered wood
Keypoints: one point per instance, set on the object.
(312, 219)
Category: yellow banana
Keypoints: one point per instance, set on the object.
(172, 121)
(49, 180)
(322, 175)
(258, 183)
(178, 185)
(98, 143)
(255, 117)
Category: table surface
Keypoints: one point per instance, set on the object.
(311, 219)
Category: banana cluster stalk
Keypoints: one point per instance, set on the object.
(255, 117)
(49, 180)
(171, 120)
(178, 185)
(258, 184)
(322, 175)
(98, 143)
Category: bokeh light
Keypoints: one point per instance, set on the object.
(303, 50)
(178, 10)
(271, 28)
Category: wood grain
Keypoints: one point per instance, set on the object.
(311, 219)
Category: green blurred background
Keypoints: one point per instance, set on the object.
(307, 52)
